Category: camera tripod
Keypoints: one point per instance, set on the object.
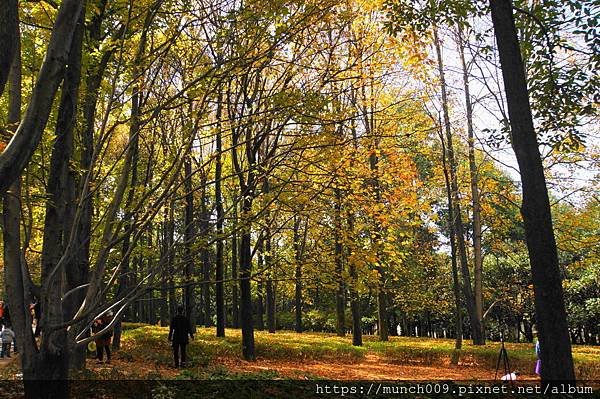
(502, 358)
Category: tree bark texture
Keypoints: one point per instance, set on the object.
(9, 38)
(17, 154)
(551, 317)
(340, 304)
(457, 222)
(474, 175)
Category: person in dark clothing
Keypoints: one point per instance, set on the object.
(7, 337)
(103, 341)
(7, 322)
(178, 334)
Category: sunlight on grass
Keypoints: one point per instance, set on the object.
(149, 343)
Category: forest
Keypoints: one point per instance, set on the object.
(311, 181)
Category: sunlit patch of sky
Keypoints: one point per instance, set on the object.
(569, 181)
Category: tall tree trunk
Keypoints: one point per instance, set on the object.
(269, 266)
(368, 114)
(17, 154)
(382, 314)
(205, 254)
(245, 275)
(298, 276)
(354, 298)
(134, 130)
(340, 306)
(52, 361)
(93, 293)
(164, 283)
(260, 288)
(137, 267)
(453, 260)
(260, 301)
(271, 327)
(11, 234)
(553, 329)
(457, 222)
(477, 256)
(189, 235)
(235, 315)
(14, 281)
(145, 267)
(219, 267)
(9, 38)
(63, 189)
(60, 191)
(171, 259)
(79, 264)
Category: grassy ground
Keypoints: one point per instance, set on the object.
(317, 355)
(146, 354)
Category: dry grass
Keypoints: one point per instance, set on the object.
(146, 355)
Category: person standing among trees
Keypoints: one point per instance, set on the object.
(178, 334)
(6, 336)
(103, 341)
(1, 312)
(5, 320)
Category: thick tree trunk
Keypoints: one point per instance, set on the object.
(271, 327)
(189, 235)
(457, 222)
(269, 266)
(171, 259)
(382, 313)
(52, 362)
(130, 172)
(149, 304)
(553, 329)
(235, 315)
(134, 131)
(260, 288)
(477, 255)
(11, 209)
(245, 275)
(453, 260)
(219, 267)
(340, 306)
(17, 154)
(77, 267)
(125, 282)
(9, 38)
(14, 280)
(297, 276)
(60, 208)
(298, 299)
(205, 255)
(164, 284)
(58, 221)
(354, 298)
(260, 300)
